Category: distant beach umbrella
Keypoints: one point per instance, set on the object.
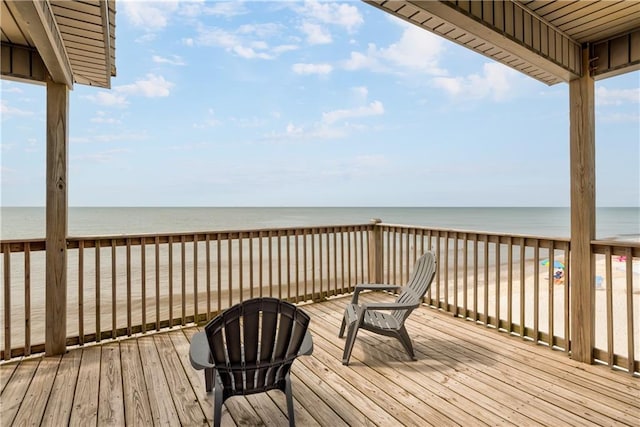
(556, 264)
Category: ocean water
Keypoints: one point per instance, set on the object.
(29, 222)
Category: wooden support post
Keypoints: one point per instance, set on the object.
(582, 159)
(375, 252)
(56, 218)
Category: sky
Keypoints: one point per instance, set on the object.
(295, 103)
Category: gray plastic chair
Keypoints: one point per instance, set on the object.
(370, 318)
(249, 348)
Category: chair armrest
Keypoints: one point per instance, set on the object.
(372, 287)
(199, 353)
(306, 348)
(389, 306)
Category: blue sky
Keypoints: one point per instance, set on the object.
(311, 104)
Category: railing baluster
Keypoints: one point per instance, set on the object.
(195, 278)
(219, 270)
(320, 262)
(476, 315)
(157, 268)
(446, 271)
(465, 269)
(485, 270)
(251, 284)
(536, 291)
(551, 292)
(170, 261)
(455, 275)
(630, 329)
(183, 279)
(114, 285)
(7, 301)
(509, 284)
(609, 291)
(297, 263)
(27, 300)
(81, 292)
(497, 270)
(97, 292)
(143, 284)
(522, 286)
(129, 302)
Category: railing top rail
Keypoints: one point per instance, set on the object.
(476, 232)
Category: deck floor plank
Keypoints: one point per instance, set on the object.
(182, 394)
(60, 400)
(85, 402)
(35, 400)
(13, 394)
(465, 374)
(163, 410)
(136, 397)
(6, 371)
(111, 401)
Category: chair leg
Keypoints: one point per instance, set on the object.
(288, 394)
(208, 379)
(403, 336)
(344, 323)
(351, 339)
(217, 405)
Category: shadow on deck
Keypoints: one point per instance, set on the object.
(465, 375)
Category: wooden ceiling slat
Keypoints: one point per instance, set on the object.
(79, 32)
(622, 25)
(10, 28)
(554, 9)
(589, 14)
(579, 27)
(84, 8)
(69, 38)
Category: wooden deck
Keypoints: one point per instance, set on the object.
(466, 375)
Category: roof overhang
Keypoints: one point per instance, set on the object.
(66, 41)
(541, 39)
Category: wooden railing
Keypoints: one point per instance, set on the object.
(151, 282)
(512, 283)
(124, 285)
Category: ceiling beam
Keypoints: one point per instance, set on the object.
(505, 31)
(46, 37)
(617, 55)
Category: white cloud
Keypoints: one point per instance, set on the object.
(416, 51)
(241, 43)
(315, 33)
(375, 108)
(322, 69)
(151, 87)
(340, 14)
(148, 15)
(173, 60)
(606, 96)
(108, 99)
(496, 82)
(7, 110)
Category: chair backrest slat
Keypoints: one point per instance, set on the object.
(418, 284)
